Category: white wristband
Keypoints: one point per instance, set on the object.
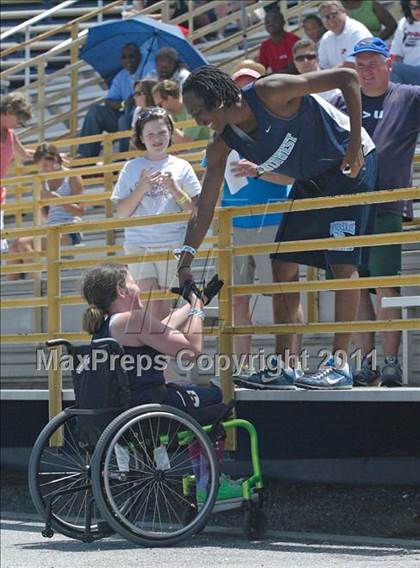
(197, 312)
(185, 248)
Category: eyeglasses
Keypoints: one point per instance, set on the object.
(330, 16)
(306, 57)
(414, 7)
(138, 93)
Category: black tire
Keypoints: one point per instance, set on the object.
(52, 470)
(255, 523)
(130, 500)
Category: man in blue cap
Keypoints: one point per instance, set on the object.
(391, 116)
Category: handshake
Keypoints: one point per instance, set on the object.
(207, 293)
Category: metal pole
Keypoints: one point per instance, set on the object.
(74, 57)
(107, 154)
(41, 100)
(54, 327)
(244, 24)
(312, 274)
(225, 310)
(37, 187)
(27, 56)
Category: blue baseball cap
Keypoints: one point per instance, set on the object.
(372, 44)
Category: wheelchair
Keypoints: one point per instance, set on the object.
(149, 473)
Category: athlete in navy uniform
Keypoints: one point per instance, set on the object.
(279, 125)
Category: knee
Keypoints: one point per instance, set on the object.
(284, 271)
(344, 271)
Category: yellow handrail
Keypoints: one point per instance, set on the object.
(224, 252)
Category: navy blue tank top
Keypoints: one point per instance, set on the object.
(303, 146)
(140, 376)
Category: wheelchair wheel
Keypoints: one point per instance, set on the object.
(144, 476)
(59, 483)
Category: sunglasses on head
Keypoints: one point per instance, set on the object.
(306, 57)
(153, 111)
(330, 16)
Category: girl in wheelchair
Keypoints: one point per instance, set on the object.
(115, 310)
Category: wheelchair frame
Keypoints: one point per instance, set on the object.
(87, 496)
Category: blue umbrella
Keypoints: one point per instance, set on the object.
(104, 43)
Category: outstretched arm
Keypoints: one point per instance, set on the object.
(203, 211)
(281, 94)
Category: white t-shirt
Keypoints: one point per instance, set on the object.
(406, 42)
(330, 95)
(157, 201)
(335, 49)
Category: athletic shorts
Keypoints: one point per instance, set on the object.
(385, 260)
(324, 223)
(163, 271)
(245, 268)
(201, 397)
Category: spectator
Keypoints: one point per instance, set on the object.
(251, 229)
(143, 96)
(405, 47)
(167, 94)
(204, 19)
(276, 51)
(250, 64)
(378, 20)
(15, 110)
(313, 28)
(305, 58)
(168, 66)
(391, 115)
(48, 159)
(117, 112)
(343, 33)
(276, 124)
(155, 184)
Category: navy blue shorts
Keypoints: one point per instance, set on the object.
(200, 397)
(324, 223)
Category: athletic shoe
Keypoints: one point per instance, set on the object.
(328, 377)
(274, 378)
(229, 490)
(391, 374)
(366, 376)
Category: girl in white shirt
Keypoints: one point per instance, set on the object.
(406, 45)
(154, 184)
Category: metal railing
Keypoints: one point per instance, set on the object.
(223, 252)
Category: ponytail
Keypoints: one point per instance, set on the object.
(93, 318)
(100, 288)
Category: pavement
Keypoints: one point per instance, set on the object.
(22, 546)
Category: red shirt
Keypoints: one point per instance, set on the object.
(278, 55)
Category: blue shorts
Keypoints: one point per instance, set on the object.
(324, 223)
(200, 397)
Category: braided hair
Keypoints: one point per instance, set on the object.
(212, 85)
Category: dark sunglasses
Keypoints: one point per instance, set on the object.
(306, 57)
(330, 16)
